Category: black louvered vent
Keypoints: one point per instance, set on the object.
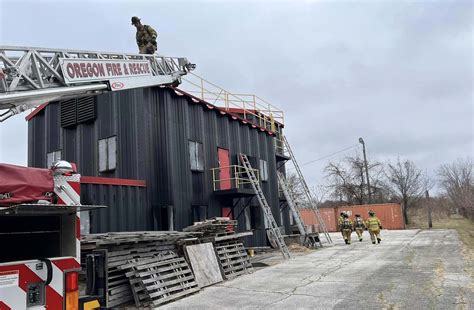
(75, 111)
(68, 113)
(85, 109)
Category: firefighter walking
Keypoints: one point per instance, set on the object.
(346, 228)
(359, 226)
(374, 226)
(146, 37)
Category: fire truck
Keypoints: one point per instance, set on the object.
(40, 208)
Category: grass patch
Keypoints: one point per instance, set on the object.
(463, 226)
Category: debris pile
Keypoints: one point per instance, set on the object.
(232, 256)
(113, 251)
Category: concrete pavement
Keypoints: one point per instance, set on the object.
(410, 269)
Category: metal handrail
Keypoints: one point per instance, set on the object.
(251, 106)
(238, 176)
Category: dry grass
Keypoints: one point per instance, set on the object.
(463, 226)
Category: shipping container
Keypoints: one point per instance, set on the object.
(390, 214)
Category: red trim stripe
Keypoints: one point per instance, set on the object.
(3, 306)
(53, 299)
(36, 111)
(26, 275)
(66, 264)
(112, 181)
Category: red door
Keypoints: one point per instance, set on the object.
(224, 169)
(227, 212)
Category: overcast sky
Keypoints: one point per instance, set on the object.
(399, 74)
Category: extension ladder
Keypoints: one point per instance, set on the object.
(308, 239)
(307, 192)
(273, 227)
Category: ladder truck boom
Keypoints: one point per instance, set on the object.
(30, 76)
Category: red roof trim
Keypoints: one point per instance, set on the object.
(36, 111)
(112, 181)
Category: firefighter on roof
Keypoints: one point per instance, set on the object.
(374, 226)
(359, 226)
(146, 37)
(346, 228)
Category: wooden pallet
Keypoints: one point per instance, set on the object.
(156, 282)
(120, 248)
(233, 259)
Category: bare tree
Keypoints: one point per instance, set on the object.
(457, 181)
(347, 180)
(408, 183)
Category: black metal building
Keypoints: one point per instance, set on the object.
(159, 158)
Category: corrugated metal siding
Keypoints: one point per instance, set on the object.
(153, 126)
(390, 214)
(126, 209)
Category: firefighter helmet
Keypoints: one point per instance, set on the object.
(371, 213)
(135, 20)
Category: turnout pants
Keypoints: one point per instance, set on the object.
(346, 234)
(374, 234)
(359, 232)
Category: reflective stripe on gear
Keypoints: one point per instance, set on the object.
(373, 223)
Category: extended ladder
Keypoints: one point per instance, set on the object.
(292, 204)
(307, 192)
(309, 239)
(267, 211)
(30, 76)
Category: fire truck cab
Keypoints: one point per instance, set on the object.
(40, 237)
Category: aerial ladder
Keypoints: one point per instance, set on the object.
(31, 76)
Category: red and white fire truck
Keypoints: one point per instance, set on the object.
(39, 208)
(40, 237)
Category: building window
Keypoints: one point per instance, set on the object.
(52, 157)
(263, 170)
(108, 154)
(196, 156)
(199, 213)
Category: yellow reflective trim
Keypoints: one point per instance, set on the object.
(93, 304)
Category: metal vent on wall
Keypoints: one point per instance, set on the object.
(77, 110)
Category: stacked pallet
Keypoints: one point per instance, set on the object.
(118, 249)
(159, 280)
(230, 251)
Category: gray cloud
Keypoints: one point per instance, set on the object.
(400, 74)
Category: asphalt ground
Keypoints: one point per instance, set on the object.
(410, 269)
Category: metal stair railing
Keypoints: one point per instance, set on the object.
(307, 192)
(273, 227)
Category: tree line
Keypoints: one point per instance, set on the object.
(400, 181)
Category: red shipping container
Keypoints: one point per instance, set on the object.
(390, 214)
(328, 215)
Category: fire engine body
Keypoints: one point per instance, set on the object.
(40, 238)
(39, 208)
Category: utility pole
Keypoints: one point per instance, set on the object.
(361, 141)
(430, 222)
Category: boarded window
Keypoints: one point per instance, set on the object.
(263, 170)
(108, 154)
(196, 156)
(52, 157)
